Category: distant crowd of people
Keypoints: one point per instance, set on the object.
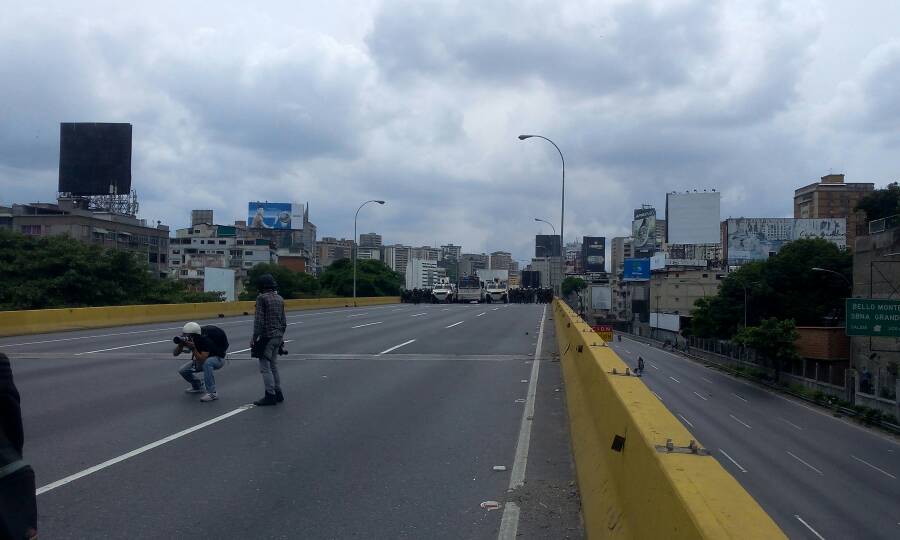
(415, 296)
(531, 296)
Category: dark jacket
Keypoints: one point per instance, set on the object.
(18, 503)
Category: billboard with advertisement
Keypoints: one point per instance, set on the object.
(643, 232)
(593, 253)
(636, 270)
(273, 215)
(601, 297)
(755, 239)
(693, 218)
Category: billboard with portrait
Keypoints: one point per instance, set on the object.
(636, 270)
(643, 231)
(593, 253)
(756, 239)
(273, 215)
(693, 218)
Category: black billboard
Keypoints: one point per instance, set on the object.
(593, 253)
(546, 245)
(531, 279)
(93, 157)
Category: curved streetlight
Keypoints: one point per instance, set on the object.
(840, 275)
(548, 223)
(562, 213)
(356, 246)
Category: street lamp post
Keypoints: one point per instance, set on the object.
(550, 254)
(562, 213)
(356, 247)
(744, 286)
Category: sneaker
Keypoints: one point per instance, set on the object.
(209, 397)
(194, 390)
(279, 397)
(267, 400)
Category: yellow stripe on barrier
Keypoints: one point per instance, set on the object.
(631, 487)
(38, 321)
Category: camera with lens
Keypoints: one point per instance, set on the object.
(181, 340)
(281, 350)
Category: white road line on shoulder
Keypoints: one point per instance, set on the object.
(395, 347)
(495, 309)
(674, 379)
(90, 337)
(739, 421)
(482, 313)
(790, 423)
(446, 309)
(418, 314)
(805, 524)
(657, 395)
(367, 324)
(740, 398)
(738, 465)
(701, 397)
(140, 450)
(882, 471)
(805, 463)
(707, 380)
(124, 347)
(401, 309)
(509, 523)
(654, 366)
(295, 322)
(248, 348)
(686, 421)
(358, 314)
(455, 324)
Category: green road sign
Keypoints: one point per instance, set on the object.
(869, 317)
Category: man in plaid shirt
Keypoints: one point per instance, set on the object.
(269, 325)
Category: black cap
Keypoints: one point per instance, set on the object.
(266, 281)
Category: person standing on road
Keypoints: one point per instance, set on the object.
(208, 346)
(640, 365)
(18, 502)
(269, 324)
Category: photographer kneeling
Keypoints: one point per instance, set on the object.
(208, 346)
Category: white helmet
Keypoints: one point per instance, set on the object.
(191, 328)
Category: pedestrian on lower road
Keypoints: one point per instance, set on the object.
(18, 502)
(640, 365)
(269, 325)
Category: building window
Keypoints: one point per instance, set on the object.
(248, 253)
(220, 253)
(706, 275)
(221, 242)
(31, 229)
(162, 257)
(176, 252)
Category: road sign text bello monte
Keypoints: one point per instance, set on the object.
(871, 317)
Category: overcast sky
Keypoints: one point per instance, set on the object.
(420, 103)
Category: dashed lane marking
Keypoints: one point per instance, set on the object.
(686, 421)
(805, 463)
(736, 464)
(124, 347)
(395, 347)
(805, 524)
(454, 324)
(701, 397)
(739, 421)
(367, 324)
(882, 471)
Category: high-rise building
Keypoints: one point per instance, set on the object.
(368, 240)
(451, 252)
(427, 253)
(396, 257)
(330, 249)
(469, 263)
(421, 274)
(368, 253)
(501, 260)
(621, 250)
(199, 217)
(833, 198)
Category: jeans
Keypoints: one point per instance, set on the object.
(212, 363)
(268, 365)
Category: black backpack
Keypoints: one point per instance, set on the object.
(218, 337)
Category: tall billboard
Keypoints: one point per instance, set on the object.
(531, 279)
(93, 158)
(636, 270)
(546, 245)
(601, 297)
(272, 215)
(755, 239)
(693, 218)
(593, 253)
(643, 232)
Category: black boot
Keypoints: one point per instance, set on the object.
(266, 401)
(279, 397)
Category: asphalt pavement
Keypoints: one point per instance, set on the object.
(394, 419)
(816, 475)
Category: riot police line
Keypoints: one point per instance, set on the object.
(516, 296)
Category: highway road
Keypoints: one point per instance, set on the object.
(816, 475)
(393, 421)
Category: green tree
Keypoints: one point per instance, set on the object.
(881, 202)
(291, 284)
(373, 278)
(573, 285)
(774, 340)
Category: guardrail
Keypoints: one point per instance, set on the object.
(38, 321)
(639, 474)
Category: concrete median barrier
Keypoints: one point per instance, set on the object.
(13, 323)
(632, 485)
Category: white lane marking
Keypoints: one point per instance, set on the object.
(401, 309)
(295, 322)
(882, 471)
(701, 397)
(509, 523)
(358, 314)
(446, 309)
(653, 366)
(124, 347)
(657, 395)
(738, 465)
(140, 450)
(248, 348)
(707, 380)
(418, 314)
(674, 379)
(454, 324)
(395, 347)
(482, 313)
(627, 351)
(739, 397)
(90, 337)
(739, 421)
(686, 421)
(819, 536)
(790, 423)
(805, 463)
(495, 309)
(367, 324)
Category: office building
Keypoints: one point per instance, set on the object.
(451, 251)
(330, 249)
(500, 260)
(370, 240)
(200, 217)
(421, 274)
(833, 198)
(396, 257)
(202, 246)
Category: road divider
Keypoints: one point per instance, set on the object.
(640, 471)
(38, 321)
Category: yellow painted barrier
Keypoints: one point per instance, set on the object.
(641, 490)
(13, 323)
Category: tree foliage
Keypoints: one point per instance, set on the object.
(784, 287)
(291, 284)
(573, 285)
(56, 271)
(373, 278)
(881, 202)
(773, 340)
